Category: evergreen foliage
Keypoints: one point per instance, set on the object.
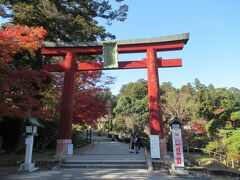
(76, 20)
(211, 114)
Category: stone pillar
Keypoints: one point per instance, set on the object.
(66, 114)
(156, 124)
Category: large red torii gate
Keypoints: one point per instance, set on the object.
(151, 46)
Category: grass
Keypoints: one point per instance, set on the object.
(8, 160)
(13, 160)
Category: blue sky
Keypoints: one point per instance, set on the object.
(212, 54)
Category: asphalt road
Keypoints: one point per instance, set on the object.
(90, 174)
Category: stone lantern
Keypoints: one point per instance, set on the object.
(30, 131)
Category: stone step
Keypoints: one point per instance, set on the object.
(106, 166)
(104, 162)
(112, 153)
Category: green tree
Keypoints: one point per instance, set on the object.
(166, 87)
(235, 119)
(188, 89)
(232, 141)
(226, 143)
(140, 114)
(76, 20)
(226, 99)
(203, 100)
(136, 90)
(132, 105)
(235, 116)
(236, 94)
(123, 107)
(120, 125)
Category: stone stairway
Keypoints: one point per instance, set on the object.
(107, 154)
(107, 164)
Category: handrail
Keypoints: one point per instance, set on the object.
(220, 157)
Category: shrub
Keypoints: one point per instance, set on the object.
(212, 146)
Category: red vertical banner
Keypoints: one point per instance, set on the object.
(177, 146)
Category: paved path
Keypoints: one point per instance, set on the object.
(91, 174)
(103, 148)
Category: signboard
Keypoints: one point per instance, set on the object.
(70, 149)
(154, 144)
(177, 146)
(110, 55)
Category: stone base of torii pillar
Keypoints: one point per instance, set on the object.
(64, 148)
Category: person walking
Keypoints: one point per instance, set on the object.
(131, 146)
(137, 144)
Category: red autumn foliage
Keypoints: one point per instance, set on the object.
(197, 127)
(17, 38)
(218, 111)
(89, 107)
(19, 92)
(19, 88)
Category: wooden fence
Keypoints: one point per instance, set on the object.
(234, 163)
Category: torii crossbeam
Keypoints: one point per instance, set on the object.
(150, 46)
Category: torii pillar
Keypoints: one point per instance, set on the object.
(156, 123)
(66, 113)
(149, 46)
